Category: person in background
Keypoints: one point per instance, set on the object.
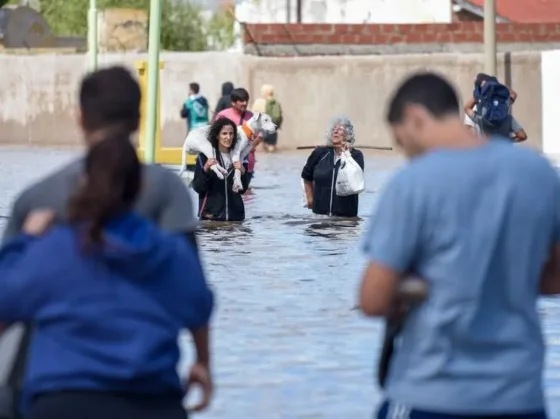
(108, 296)
(195, 108)
(512, 128)
(487, 244)
(321, 170)
(225, 100)
(110, 98)
(269, 105)
(238, 113)
(217, 200)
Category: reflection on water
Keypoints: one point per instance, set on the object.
(287, 341)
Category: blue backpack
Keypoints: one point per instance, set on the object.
(492, 108)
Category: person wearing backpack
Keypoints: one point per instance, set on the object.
(195, 108)
(488, 111)
(269, 105)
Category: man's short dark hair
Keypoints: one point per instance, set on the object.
(480, 77)
(110, 97)
(239, 95)
(428, 90)
(195, 88)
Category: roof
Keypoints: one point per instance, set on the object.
(524, 11)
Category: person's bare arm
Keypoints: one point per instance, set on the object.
(201, 339)
(550, 278)
(520, 136)
(378, 288)
(308, 186)
(469, 106)
(391, 244)
(512, 94)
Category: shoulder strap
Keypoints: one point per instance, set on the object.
(242, 118)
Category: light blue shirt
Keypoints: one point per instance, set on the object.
(477, 224)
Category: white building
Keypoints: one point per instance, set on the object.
(343, 11)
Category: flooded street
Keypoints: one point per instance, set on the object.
(287, 342)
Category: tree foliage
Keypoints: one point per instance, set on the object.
(184, 25)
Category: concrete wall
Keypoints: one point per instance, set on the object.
(37, 93)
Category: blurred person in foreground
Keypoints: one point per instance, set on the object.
(238, 113)
(109, 99)
(108, 295)
(486, 241)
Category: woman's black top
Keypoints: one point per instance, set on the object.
(216, 199)
(322, 170)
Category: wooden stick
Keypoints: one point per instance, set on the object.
(365, 147)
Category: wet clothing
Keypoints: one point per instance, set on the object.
(322, 169)
(105, 405)
(225, 101)
(106, 318)
(397, 411)
(195, 111)
(217, 201)
(480, 235)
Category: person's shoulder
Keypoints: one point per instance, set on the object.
(160, 175)
(319, 152)
(60, 178)
(354, 152)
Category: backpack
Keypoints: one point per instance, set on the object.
(274, 110)
(492, 108)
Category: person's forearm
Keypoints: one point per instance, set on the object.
(308, 189)
(469, 106)
(201, 339)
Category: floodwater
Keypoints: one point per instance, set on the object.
(287, 341)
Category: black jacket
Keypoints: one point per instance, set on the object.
(216, 199)
(322, 171)
(225, 100)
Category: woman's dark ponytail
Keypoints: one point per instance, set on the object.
(112, 183)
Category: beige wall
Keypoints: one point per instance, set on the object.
(38, 92)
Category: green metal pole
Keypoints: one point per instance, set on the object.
(153, 75)
(92, 35)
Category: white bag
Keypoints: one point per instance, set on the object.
(303, 195)
(350, 179)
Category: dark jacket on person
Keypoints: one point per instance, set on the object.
(322, 171)
(216, 199)
(225, 101)
(107, 318)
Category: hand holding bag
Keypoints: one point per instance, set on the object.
(350, 179)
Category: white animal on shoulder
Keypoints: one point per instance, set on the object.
(197, 142)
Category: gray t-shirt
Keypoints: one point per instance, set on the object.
(164, 199)
(479, 233)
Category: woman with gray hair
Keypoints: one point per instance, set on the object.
(321, 170)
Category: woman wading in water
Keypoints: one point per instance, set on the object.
(217, 200)
(321, 170)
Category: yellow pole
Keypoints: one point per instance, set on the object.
(142, 69)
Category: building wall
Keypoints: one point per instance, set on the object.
(38, 92)
(367, 39)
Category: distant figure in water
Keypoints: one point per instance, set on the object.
(321, 170)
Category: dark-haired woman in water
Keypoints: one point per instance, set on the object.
(217, 200)
(107, 294)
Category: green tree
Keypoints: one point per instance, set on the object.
(183, 26)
